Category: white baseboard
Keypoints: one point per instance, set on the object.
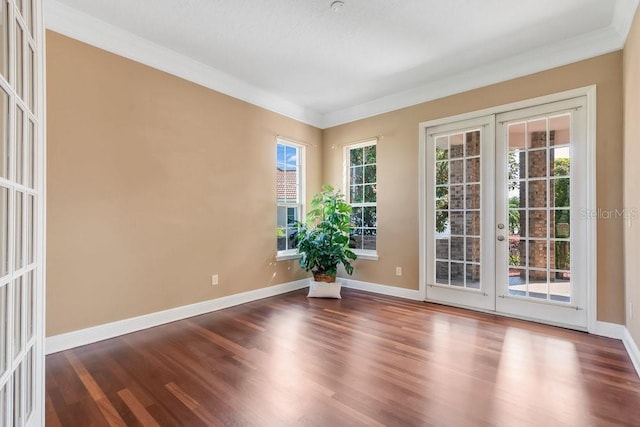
(86, 336)
(609, 330)
(632, 349)
(394, 291)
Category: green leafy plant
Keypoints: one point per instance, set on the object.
(323, 241)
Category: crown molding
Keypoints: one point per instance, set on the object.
(85, 28)
(623, 15)
(572, 50)
(90, 30)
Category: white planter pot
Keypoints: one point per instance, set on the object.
(324, 290)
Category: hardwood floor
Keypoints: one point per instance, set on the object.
(365, 360)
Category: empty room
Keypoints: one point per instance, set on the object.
(320, 212)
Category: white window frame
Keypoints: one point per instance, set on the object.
(371, 254)
(293, 253)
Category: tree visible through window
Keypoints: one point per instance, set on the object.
(362, 189)
(288, 194)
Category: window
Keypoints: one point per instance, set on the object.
(289, 179)
(362, 195)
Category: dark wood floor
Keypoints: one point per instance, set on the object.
(366, 360)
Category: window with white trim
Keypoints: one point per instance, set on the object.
(362, 195)
(289, 194)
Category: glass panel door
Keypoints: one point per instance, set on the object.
(504, 222)
(459, 215)
(537, 165)
(21, 214)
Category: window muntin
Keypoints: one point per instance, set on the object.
(362, 194)
(289, 174)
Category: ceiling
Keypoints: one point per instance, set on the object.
(301, 59)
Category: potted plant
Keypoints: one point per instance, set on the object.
(323, 241)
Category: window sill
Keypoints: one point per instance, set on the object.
(285, 256)
(370, 255)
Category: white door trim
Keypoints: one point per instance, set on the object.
(41, 223)
(590, 197)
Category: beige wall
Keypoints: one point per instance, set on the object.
(155, 184)
(631, 73)
(398, 170)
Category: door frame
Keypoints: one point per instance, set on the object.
(590, 189)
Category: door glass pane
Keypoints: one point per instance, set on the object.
(4, 40)
(32, 20)
(538, 285)
(29, 306)
(4, 231)
(560, 189)
(31, 155)
(537, 135)
(457, 209)
(456, 146)
(538, 173)
(19, 61)
(560, 286)
(517, 151)
(31, 77)
(537, 193)
(18, 416)
(559, 224)
(457, 274)
(30, 229)
(442, 148)
(473, 223)
(29, 18)
(18, 342)
(4, 134)
(457, 223)
(518, 281)
(560, 130)
(4, 410)
(19, 145)
(537, 256)
(18, 252)
(442, 270)
(4, 323)
(456, 173)
(517, 194)
(457, 248)
(560, 162)
(473, 276)
(537, 163)
(537, 223)
(28, 384)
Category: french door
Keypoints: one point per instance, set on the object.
(21, 214)
(505, 218)
(460, 214)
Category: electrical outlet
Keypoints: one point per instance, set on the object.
(398, 271)
(630, 310)
(214, 280)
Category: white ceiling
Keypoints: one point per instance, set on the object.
(299, 58)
